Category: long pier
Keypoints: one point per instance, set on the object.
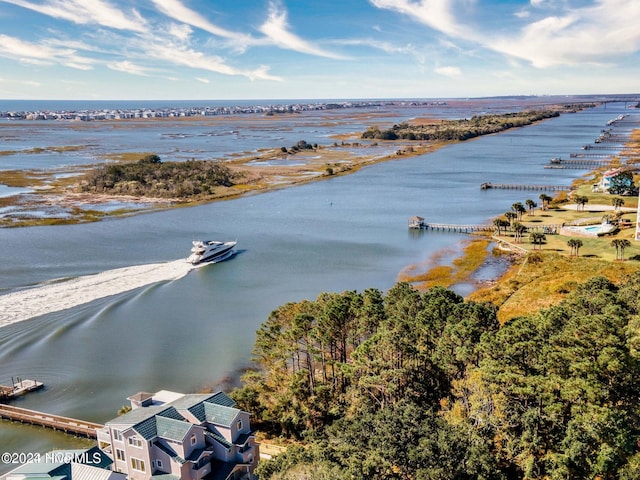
(591, 155)
(420, 224)
(578, 163)
(56, 422)
(517, 186)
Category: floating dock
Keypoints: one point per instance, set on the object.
(20, 386)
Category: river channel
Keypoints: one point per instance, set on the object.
(189, 333)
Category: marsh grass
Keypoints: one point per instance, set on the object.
(39, 150)
(544, 279)
(474, 254)
(23, 178)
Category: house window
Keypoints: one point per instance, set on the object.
(119, 454)
(193, 440)
(117, 435)
(135, 441)
(137, 464)
(239, 424)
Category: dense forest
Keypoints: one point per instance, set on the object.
(410, 385)
(151, 177)
(464, 129)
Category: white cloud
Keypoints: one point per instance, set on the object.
(180, 31)
(85, 12)
(596, 35)
(437, 14)
(276, 29)
(177, 11)
(448, 71)
(387, 47)
(42, 54)
(202, 80)
(187, 57)
(128, 67)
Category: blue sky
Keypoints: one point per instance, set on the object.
(288, 49)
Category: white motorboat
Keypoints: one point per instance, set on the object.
(210, 251)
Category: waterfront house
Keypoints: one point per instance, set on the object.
(87, 464)
(605, 181)
(173, 436)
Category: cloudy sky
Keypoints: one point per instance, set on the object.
(288, 49)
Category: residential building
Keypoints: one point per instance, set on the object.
(87, 464)
(171, 436)
(605, 182)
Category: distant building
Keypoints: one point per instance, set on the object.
(173, 436)
(88, 464)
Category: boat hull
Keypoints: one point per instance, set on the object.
(211, 252)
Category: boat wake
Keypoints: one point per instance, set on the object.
(54, 296)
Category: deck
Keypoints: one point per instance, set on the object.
(48, 420)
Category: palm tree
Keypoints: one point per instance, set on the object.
(620, 244)
(499, 223)
(537, 238)
(518, 229)
(617, 202)
(574, 244)
(531, 205)
(545, 199)
(519, 209)
(510, 216)
(580, 201)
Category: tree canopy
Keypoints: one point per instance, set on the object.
(151, 177)
(464, 129)
(410, 385)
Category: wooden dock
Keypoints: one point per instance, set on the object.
(517, 186)
(56, 422)
(591, 155)
(420, 224)
(578, 163)
(20, 386)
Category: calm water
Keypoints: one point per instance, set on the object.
(341, 234)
